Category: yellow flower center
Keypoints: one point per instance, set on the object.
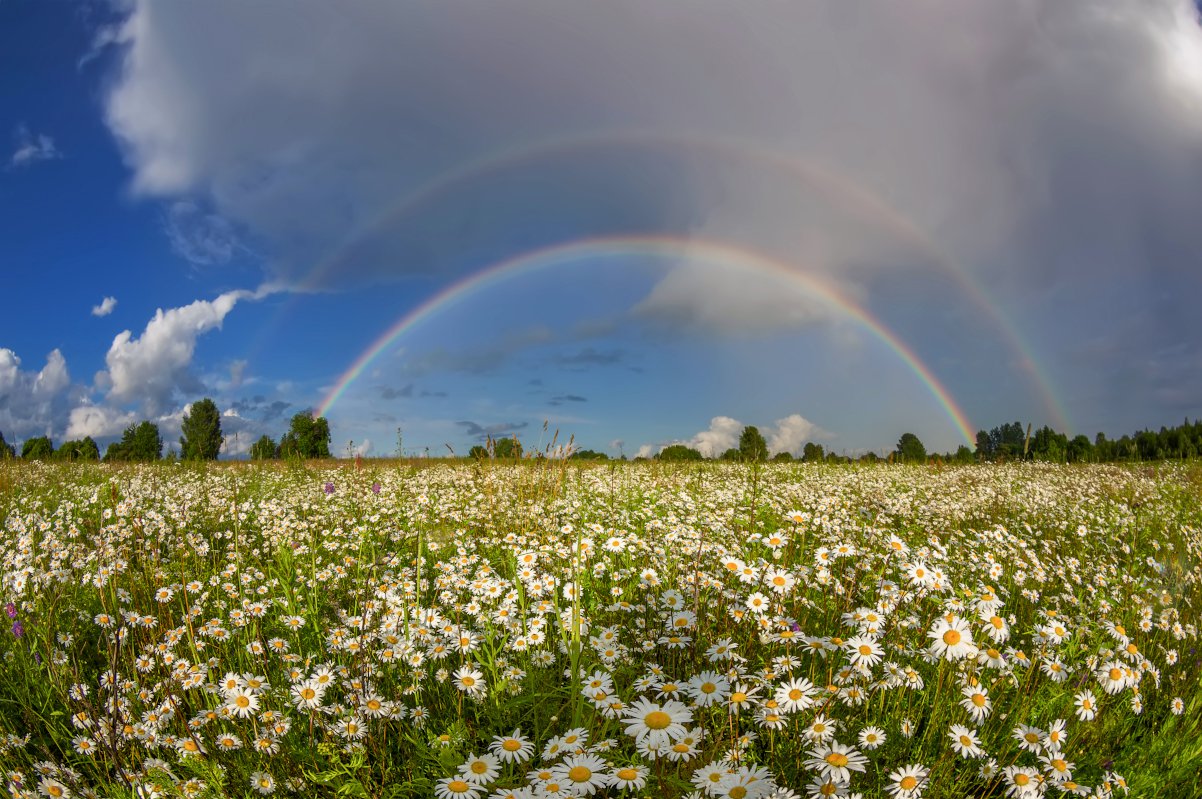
(865, 650)
(951, 637)
(579, 774)
(978, 700)
(511, 745)
(996, 621)
(1115, 674)
(965, 740)
(708, 688)
(627, 774)
(737, 792)
(457, 786)
(680, 748)
(1059, 765)
(479, 767)
(795, 694)
(468, 681)
(837, 759)
(657, 720)
(1022, 779)
(908, 783)
(738, 697)
(242, 701)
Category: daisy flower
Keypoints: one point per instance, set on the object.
(796, 695)
(481, 769)
(514, 748)
(629, 778)
(456, 788)
(951, 638)
(872, 737)
(1087, 705)
(470, 681)
(836, 761)
(976, 702)
(262, 782)
(908, 782)
(659, 724)
(584, 774)
(708, 688)
(965, 741)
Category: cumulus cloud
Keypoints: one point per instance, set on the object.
(33, 403)
(105, 307)
(151, 368)
(32, 148)
(789, 434)
(98, 421)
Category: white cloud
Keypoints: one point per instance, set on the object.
(33, 403)
(105, 307)
(151, 368)
(199, 237)
(32, 148)
(98, 421)
(723, 433)
(792, 433)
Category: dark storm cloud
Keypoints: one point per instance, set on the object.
(481, 432)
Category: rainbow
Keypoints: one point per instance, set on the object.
(657, 247)
(835, 186)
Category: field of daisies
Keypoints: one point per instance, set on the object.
(545, 629)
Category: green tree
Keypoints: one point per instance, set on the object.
(963, 455)
(477, 452)
(264, 449)
(83, 450)
(201, 439)
(507, 448)
(813, 453)
(6, 449)
(732, 454)
(307, 437)
(783, 457)
(139, 442)
(36, 449)
(752, 445)
(910, 449)
(588, 455)
(678, 452)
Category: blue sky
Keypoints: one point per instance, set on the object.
(870, 219)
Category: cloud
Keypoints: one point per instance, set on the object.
(105, 307)
(261, 407)
(789, 434)
(390, 393)
(792, 433)
(34, 403)
(98, 421)
(153, 367)
(481, 432)
(32, 148)
(199, 237)
(563, 398)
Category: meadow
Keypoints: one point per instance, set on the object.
(546, 629)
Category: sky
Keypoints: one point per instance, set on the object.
(632, 224)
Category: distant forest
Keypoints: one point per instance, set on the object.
(309, 437)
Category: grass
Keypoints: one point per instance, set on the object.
(146, 597)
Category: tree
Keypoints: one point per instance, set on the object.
(264, 449)
(963, 455)
(732, 454)
(910, 449)
(588, 455)
(507, 448)
(83, 450)
(477, 452)
(783, 457)
(752, 445)
(201, 439)
(36, 449)
(1080, 450)
(812, 453)
(678, 452)
(139, 442)
(6, 449)
(307, 437)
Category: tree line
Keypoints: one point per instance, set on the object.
(308, 436)
(201, 440)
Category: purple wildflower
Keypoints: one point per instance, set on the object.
(329, 488)
(11, 610)
(18, 629)
(375, 488)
